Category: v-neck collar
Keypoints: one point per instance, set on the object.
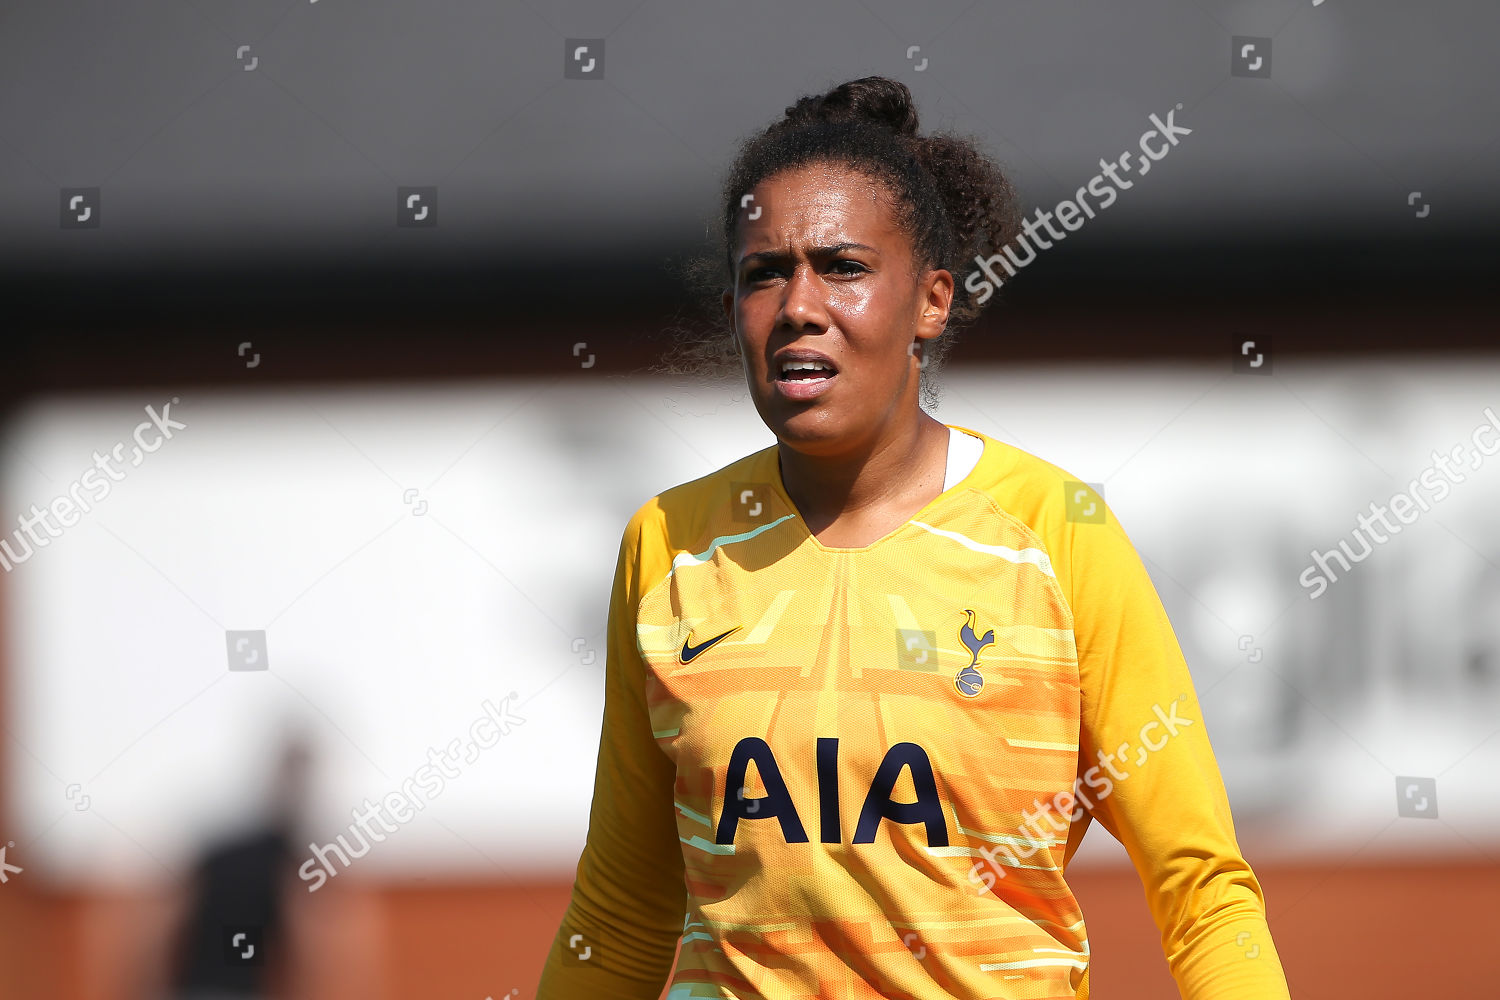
(962, 484)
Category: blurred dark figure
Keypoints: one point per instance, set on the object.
(231, 943)
(1482, 655)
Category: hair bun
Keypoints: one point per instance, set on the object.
(877, 99)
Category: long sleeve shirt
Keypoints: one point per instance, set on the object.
(857, 773)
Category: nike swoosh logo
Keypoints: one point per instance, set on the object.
(689, 652)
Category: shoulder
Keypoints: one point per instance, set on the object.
(685, 517)
(1067, 516)
(1029, 488)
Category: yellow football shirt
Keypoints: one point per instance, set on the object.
(857, 773)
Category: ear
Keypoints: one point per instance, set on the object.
(936, 298)
(734, 334)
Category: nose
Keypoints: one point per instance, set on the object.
(802, 302)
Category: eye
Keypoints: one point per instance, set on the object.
(760, 274)
(859, 268)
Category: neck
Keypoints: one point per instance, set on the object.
(897, 465)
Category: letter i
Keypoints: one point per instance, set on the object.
(828, 789)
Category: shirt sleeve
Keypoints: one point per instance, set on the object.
(1160, 793)
(629, 897)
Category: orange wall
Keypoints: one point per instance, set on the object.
(1368, 932)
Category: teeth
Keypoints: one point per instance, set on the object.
(788, 366)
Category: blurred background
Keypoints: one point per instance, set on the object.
(367, 298)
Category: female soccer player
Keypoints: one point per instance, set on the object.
(865, 689)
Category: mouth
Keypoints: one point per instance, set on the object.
(801, 363)
(806, 374)
(801, 378)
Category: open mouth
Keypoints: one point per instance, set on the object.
(802, 380)
(805, 371)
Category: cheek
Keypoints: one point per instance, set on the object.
(751, 322)
(878, 306)
(877, 328)
(857, 300)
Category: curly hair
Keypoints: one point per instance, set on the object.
(950, 199)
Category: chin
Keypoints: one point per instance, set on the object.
(807, 428)
(795, 422)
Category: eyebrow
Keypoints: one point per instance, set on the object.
(828, 251)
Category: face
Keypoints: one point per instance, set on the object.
(824, 268)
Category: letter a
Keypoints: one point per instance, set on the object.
(926, 809)
(776, 802)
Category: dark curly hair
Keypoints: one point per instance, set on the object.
(950, 199)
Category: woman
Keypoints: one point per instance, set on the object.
(867, 688)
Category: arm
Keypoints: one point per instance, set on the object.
(629, 897)
(1169, 809)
